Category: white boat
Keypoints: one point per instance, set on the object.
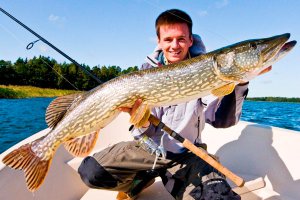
(266, 157)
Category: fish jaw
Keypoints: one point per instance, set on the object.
(285, 49)
(241, 61)
(270, 47)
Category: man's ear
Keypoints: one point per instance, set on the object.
(192, 40)
(158, 42)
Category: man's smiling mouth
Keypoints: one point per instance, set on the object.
(175, 52)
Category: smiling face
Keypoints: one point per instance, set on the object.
(175, 41)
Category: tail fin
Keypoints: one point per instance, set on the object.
(34, 167)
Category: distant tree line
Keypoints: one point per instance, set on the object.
(45, 72)
(274, 99)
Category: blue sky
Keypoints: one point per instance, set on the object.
(122, 33)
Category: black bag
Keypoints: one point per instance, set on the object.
(214, 189)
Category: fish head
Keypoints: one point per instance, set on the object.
(242, 61)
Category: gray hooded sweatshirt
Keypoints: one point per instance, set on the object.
(188, 119)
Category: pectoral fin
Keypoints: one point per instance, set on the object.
(141, 115)
(224, 90)
(83, 145)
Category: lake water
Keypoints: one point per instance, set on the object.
(20, 118)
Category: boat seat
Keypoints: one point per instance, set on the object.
(75, 163)
(251, 183)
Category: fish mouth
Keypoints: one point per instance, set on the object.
(274, 45)
(287, 47)
(284, 50)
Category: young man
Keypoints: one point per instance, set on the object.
(123, 167)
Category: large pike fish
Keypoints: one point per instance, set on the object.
(75, 120)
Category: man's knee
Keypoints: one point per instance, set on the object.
(94, 175)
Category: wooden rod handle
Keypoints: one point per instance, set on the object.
(218, 166)
(199, 152)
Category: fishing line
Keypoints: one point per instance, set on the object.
(160, 8)
(59, 74)
(11, 33)
(154, 5)
(51, 45)
(42, 59)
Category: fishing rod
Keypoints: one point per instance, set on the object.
(198, 151)
(30, 45)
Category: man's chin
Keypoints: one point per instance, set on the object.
(175, 59)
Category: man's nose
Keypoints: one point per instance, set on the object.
(175, 43)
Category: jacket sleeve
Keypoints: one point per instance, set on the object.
(225, 112)
(146, 66)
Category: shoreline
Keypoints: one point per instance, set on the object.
(274, 99)
(21, 92)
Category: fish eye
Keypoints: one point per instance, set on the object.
(253, 45)
(214, 59)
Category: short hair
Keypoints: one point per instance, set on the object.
(173, 16)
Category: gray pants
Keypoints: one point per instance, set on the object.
(118, 167)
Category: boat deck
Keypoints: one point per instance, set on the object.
(266, 157)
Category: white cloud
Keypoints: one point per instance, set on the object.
(43, 48)
(202, 13)
(222, 3)
(60, 21)
(53, 18)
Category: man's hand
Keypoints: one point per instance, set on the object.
(132, 110)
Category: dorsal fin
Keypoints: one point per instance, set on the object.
(224, 90)
(59, 106)
(83, 145)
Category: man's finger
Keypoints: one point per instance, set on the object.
(136, 104)
(125, 109)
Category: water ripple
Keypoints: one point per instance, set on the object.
(21, 118)
(283, 115)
